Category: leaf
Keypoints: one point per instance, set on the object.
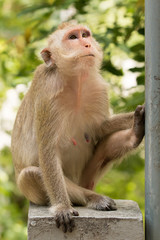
(140, 79)
(137, 47)
(79, 5)
(33, 9)
(141, 31)
(139, 57)
(137, 69)
(107, 65)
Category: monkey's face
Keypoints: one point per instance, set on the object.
(74, 49)
(79, 49)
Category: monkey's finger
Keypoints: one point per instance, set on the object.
(71, 223)
(139, 115)
(112, 205)
(112, 201)
(113, 208)
(143, 115)
(75, 213)
(138, 110)
(68, 222)
(109, 208)
(57, 220)
(64, 225)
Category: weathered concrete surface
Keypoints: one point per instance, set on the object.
(124, 224)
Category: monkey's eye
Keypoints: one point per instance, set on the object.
(73, 37)
(85, 34)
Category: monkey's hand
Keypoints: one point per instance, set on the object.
(63, 217)
(139, 124)
(101, 203)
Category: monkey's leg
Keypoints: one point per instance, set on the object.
(114, 146)
(31, 185)
(30, 182)
(84, 197)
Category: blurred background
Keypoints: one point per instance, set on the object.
(118, 25)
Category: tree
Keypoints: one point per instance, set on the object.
(119, 27)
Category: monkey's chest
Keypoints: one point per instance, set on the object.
(76, 153)
(77, 144)
(78, 137)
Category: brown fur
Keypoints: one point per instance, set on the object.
(54, 163)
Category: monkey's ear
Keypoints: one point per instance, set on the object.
(46, 55)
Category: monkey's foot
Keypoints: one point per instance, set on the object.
(102, 203)
(63, 217)
(139, 124)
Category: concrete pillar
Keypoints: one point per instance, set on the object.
(124, 224)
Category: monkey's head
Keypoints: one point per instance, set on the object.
(72, 48)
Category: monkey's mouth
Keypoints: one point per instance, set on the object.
(89, 55)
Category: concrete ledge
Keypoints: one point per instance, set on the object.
(124, 224)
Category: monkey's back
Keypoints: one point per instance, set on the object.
(23, 143)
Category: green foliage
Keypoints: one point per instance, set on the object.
(125, 181)
(13, 206)
(119, 27)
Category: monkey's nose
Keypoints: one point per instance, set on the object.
(88, 45)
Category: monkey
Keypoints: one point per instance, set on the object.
(64, 137)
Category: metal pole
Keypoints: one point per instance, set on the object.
(152, 155)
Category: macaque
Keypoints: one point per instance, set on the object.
(64, 137)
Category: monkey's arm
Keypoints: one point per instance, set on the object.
(116, 123)
(114, 146)
(50, 166)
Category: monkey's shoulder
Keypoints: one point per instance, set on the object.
(41, 73)
(42, 69)
(46, 82)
